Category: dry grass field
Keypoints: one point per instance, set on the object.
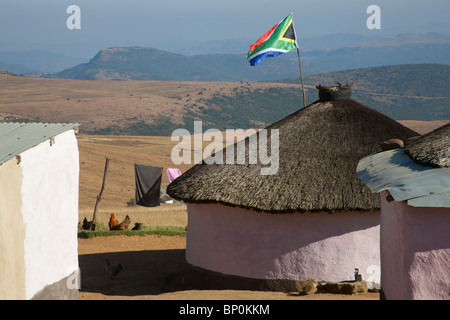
(99, 104)
(124, 152)
(423, 127)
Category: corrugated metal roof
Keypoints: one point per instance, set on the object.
(16, 138)
(394, 171)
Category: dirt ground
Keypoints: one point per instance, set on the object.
(153, 270)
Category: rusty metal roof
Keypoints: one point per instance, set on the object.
(16, 138)
(406, 180)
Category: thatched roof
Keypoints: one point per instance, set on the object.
(319, 149)
(431, 149)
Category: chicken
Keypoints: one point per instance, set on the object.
(112, 269)
(124, 224)
(88, 225)
(113, 224)
(137, 226)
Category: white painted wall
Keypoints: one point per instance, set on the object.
(261, 245)
(50, 211)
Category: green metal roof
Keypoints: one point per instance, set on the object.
(16, 138)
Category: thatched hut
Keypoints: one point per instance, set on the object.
(312, 219)
(414, 187)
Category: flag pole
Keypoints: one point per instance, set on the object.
(301, 77)
(299, 63)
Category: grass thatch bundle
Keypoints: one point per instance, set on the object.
(319, 149)
(431, 149)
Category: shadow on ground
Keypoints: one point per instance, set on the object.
(144, 272)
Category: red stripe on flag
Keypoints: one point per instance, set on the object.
(263, 38)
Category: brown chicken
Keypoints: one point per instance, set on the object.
(124, 224)
(113, 224)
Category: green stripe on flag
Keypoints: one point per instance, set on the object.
(282, 38)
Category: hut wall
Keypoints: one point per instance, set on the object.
(12, 232)
(50, 213)
(415, 251)
(261, 245)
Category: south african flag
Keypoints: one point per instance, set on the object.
(278, 40)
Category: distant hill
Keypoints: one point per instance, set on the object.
(401, 49)
(16, 68)
(241, 46)
(40, 60)
(409, 91)
(136, 63)
(319, 55)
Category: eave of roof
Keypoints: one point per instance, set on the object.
(406, 180)
(16, 138)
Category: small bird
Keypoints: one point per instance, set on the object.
(137, 226)
(88, 225)
(113, 269)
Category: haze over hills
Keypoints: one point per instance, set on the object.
(324, 54)
(401, 49)
(16, 68)
(241, 46)
(38, 61)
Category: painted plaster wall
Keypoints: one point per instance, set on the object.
(260, 245)
(50, 211)
(12, 233)
(415, 251)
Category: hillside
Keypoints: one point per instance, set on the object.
(157, 108)
(144, 107)
(136, 63)
(409, 91)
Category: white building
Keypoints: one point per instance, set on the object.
(39, 172)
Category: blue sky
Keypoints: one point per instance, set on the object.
(170, 24)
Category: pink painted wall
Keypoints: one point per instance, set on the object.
(260, 245)
(415, 251)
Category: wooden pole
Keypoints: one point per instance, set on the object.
(301, 77)
(99, 197)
